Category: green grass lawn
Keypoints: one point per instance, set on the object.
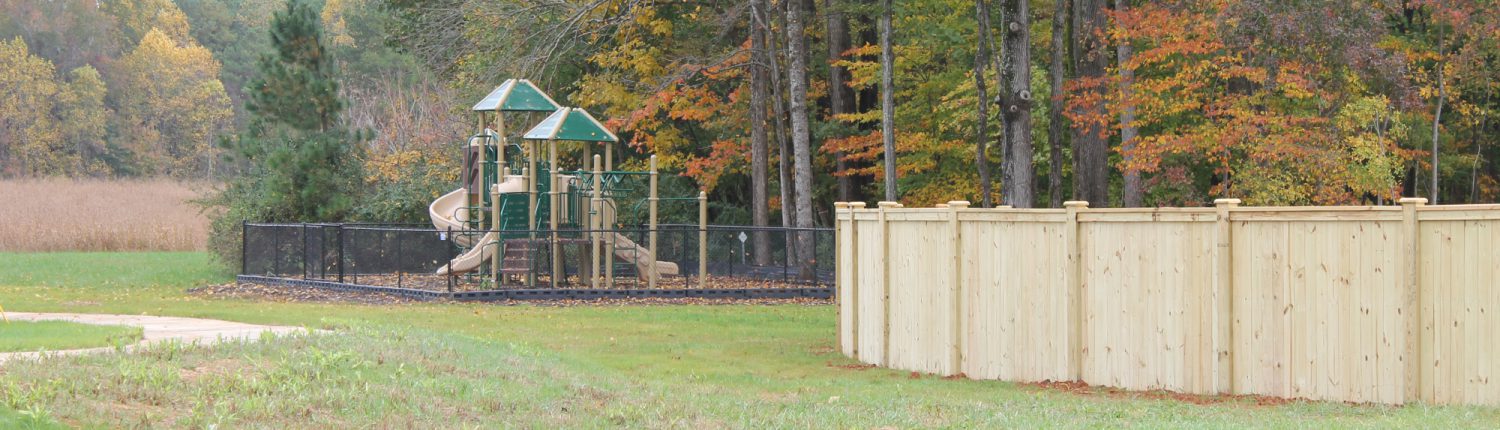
(56, 335)
(480, 365)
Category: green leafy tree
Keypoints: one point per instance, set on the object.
(28, 134)
(136, 18)
(171, 104)
(303, 163)
(235, 30)
(83, 120)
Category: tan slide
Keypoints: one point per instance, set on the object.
(472, 259)
(447, 212)
(629, 251)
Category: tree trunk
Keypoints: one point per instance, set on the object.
(888, 102)
(1016, 172)
(759, 151)
(1133, 194)
(1484, 122)
(784, 149)
(840, 101)
(981, 141)
(1437, 118)
(1056, 120)
(1090, 149)
(801, 139)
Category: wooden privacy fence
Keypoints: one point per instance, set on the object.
(1362, 304)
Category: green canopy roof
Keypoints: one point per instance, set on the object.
(516, 95)
(571, 124)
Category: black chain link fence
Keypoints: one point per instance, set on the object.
(397, 259)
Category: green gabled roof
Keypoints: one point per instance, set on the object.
(571, 124)
(516, 95)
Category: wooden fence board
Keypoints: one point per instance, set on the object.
(919, 299)
(1260, 266)
(871, 266)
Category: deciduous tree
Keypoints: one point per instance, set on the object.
(172, 103)
(802, 177)
(1090, 148)
(29, 141)
(1017, 174)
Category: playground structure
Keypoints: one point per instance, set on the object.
(521, 226)
(515, 210)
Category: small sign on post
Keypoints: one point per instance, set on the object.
(743, 237)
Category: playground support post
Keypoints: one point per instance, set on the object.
(607, 220)
(595, 223)
(530, 219)
(495, 225)
(484, 157)
(588, 154)
(530, 174)
(702, 239)
(552, 206)
(651, 280)
(499, 147)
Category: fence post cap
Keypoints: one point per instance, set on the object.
(958, 204)
(885, 205)
(856, 205)
(1076, 204)
(1412, 201)
(840, 205)
(1226, 202)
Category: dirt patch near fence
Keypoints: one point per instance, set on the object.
(1081, 388)
(283, 293)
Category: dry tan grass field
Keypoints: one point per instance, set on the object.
(38, 215)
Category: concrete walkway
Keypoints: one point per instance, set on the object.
(153, 330)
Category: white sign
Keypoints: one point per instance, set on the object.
(742, 246)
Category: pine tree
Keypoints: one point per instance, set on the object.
(296, 86)
(307, 162)
(303, 163)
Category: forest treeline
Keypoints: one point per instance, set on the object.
(1026, 103)
(127, 88)
(778, 107)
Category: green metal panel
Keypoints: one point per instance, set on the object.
(528, 98)
(582, 127)
(516, 95)
(513, 215)
(571, 124)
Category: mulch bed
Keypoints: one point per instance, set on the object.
(281, 293)
(433, 282)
